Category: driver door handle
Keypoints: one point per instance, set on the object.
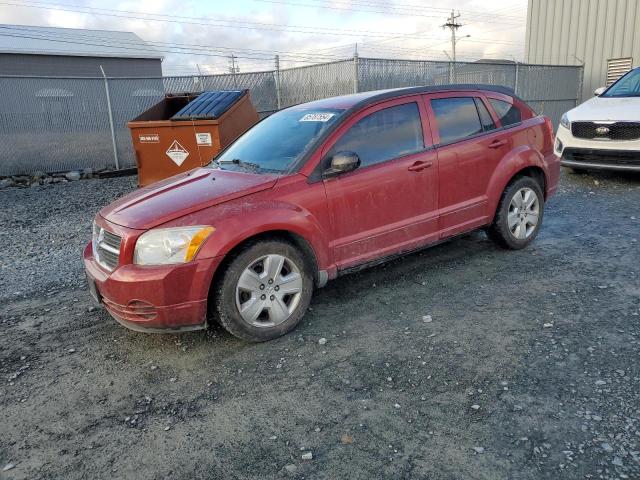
(497, 143)
(419, 166)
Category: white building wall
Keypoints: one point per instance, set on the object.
(589, 32)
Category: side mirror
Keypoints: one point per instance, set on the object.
(342, 162)
(599, 91)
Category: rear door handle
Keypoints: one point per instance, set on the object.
(497, 143)
(419, 165)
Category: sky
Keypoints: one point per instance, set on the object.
(200, 36)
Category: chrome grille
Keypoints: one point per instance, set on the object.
(106, 247)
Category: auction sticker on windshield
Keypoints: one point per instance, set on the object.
(317, 117)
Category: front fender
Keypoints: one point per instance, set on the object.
(236, 223)
(515, 161)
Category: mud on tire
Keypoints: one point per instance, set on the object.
(252, 264)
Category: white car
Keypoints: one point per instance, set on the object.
(604, 132)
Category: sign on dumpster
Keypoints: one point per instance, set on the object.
(149, 138)
(177, 153)
(203, 139)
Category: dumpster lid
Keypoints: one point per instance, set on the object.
(209, 105)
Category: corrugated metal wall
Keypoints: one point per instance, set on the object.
(81, 66)
(589, 32)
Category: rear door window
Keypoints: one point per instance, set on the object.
(508, 113)
(384, 135)
(485, 116)
(457, 118)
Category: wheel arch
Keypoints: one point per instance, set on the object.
(289, 236)
(523, 161)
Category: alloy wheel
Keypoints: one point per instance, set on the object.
(524, 213)
(269, 290)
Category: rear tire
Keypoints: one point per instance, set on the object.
(264, 291)
(519, 214)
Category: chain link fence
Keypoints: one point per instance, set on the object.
(60, 124)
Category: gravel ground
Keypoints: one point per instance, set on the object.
(463, 361)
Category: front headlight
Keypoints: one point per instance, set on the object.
(564, 121)
(165, 246)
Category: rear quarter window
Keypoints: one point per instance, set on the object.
(508, 113)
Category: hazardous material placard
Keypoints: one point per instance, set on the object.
(177, 153)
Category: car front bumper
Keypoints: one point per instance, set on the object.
(166, 298)
(618, 155)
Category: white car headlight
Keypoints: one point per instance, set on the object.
(165, 246)
(564, 121)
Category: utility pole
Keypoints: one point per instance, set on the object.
(233, 65)
(356, 84)
(277, 73)
(453, 25)
(198, 80)
(233, 69)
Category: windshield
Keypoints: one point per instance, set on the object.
(627, 86)
(277, 142)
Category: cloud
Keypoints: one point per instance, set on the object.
(499, 36)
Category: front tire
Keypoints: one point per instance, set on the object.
(519, 214)
(264, 291)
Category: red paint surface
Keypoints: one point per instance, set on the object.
(347, 220)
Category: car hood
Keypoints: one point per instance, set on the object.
(621, 109)
(186, 193)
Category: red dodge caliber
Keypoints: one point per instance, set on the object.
(314, 191)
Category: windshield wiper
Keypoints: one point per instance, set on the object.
(251, 167)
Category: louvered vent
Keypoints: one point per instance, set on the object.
(616, 67)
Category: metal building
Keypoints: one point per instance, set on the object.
(48, 51)
(602, 35)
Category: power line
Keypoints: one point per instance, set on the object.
(220, 51)
(261, 26)
(260, 57)
(79, 37)
(387, 11)
(204, 21)
(409, 8)
(137, 48)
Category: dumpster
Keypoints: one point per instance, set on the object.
(186, 131)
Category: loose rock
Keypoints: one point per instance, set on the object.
(72, 176)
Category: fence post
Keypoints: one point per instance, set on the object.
(277, 79)
(515, 87)
(113, 132)
(355, 72)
